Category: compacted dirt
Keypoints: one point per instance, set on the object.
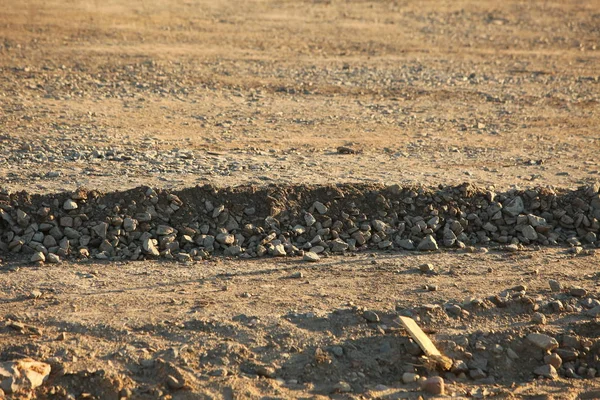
(375, 111)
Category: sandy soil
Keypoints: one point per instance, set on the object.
(117, 94)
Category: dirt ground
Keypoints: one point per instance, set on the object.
(117, 94)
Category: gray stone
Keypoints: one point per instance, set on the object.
(338, 246)
(546, 371)
(320, 207)
(529, 232)
(149, 247)
(37, 257)
(542, 341)
(555, 286)
(371, 316)
(53, 258)
(427, 244)
(406, 244)
(309, 219)
(233, 251)
(279, 251)
(101, 229)
(311, 256)
(70, 205)
(514, 207)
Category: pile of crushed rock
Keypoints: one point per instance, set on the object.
(284, 220)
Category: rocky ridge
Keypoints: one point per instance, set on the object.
(248, 221)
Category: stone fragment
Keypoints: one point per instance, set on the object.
(555, 286)
(434, 385)
(409, 377)
(53, 258)
(311, 256)
(149, 247)
(546, 371)
(320, 207)
(38, 256)
(21, 376)
(427, 244)
(542, 341)
(338, 246)
(553, 359)
(529, 233)
(279, 251)
(426, 268)
(371, 316)
(514, 207)
(70, 205)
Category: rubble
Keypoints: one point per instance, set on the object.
(145, 222)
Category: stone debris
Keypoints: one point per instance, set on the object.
(201, 222)
(20, 376)
(542, 341)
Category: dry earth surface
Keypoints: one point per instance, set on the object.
(113, 95)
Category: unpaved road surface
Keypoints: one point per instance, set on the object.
(113, 95)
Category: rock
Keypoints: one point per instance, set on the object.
(434, 385)
(578, 292)
(371, 316)
(70, 205)
(427, 244)
(338, 246)
(555, 286)
(426, 268)
(406, 244)
(233, 251)
(20, 376)
(529, 233)
(101, 229)
(409, 377)
(163, 230)
(225, 238)
(311, 256)
(38, 256)
(337, 351)
(553, 359)
(53, 258)
(309, 219)
(279, 251)
(342, 387)
(546, 371)
(514, 207)
(538, 318)
(173, 383)
(149, 247)
(594, 312)
(542, 341)
(320, 207)
(477, 373)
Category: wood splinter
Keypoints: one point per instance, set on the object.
(431, 352)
